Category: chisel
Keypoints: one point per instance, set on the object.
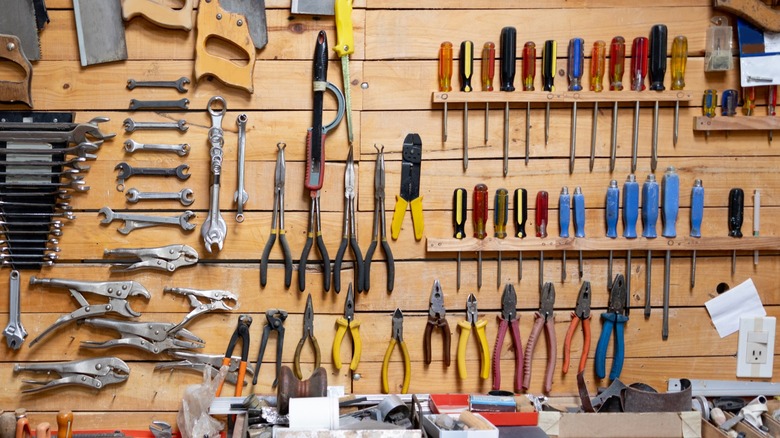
(529, 74)
(459, 209)
(542, 201)
(612, 213)
(564, 219)
(480, 215)
(549, 63)
(638, 72)
(630, 216)
(575, 64)
(597, 61)
(736, 216)
(671, 205)
(520, 217)
(678, 64)
(466, 68)
(697, 214)
(657, 72)
(445, 78)
(488, 71)
(578, 206)
(617, 56)
(507, 74)
(500, 218)
(649, 221)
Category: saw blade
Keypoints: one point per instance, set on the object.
(254, 11)
(313, 7)
(18, 19)
(100, 31)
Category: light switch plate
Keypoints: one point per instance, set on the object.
(756, 350)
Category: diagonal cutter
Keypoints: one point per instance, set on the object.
(348, 323)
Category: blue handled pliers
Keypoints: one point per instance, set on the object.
(614, 318)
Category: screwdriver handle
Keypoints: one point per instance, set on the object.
(658, 35)
(508, 58)
(630, 206)
(549, 62)
(64, 424)
(541, 213)
(710, 102)
(345, 41)
(728, 103)
(612, 208)
(529, 66)
(697, 208)
(488, 66)
(500, 213)
(638, 63)
(521, 212)
(578, 205)
(564, 212)
(736, 212)
(480, 211)
(649, 207)
(459, 201)
(617, 63)
(679, 61)
(445, 66)
(575, 64)
(466, 65)
(671, 201)
(749, 100)
(597, 61)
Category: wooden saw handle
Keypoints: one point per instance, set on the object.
(158, 14)
(13, 91)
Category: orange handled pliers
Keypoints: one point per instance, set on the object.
(581, 313)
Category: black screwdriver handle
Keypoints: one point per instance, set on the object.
(549, 63)
(459, 201)
(657, 57)
(466, 65)
(736, 212)
(521, 212)
(508, 58)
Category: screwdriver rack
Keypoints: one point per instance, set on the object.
(563, 96)
(746, 123)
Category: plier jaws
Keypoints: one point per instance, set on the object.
(92, 373)
(437, 318)
(166, 258)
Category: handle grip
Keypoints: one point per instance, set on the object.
(488, 66)
(529, 66)
(576, 60)
(321, 58)
(638, 63)
(345, 41)
(671, 201)
(658, 36)
(501, 213)
(649, 207)
(617, 63)
(542, 199)
(612, 208)
(564, 212)
(697, 208)
(709, 103)
(679, 61)
(459, 201)
(549, 62)
(578, 203)
(508, 55)
(480, 212)
(445, 66)
(728, 103)
(466, 65)
(736, 212)
(521, 212)
(630, 207)
(597, 61)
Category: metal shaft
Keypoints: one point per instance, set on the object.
(528, 132)
(693, 269)
(573, 142)
(676, 121)
(519, 265)
(609, 271)
(487, 117)
(635, 143)
(506, 131)
(654, 152)
(648, 281)
(465, 136)
(613, 152)
(593, 134)
(665, 327)
(458, 281)
(628, 280)
(479, 269)
(547, 124)
(498, 278)
(444, 125)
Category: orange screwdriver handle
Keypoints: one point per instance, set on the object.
(679, 61)
(639, 63)
(488, 66)
(617, 63)
(541, 214)
(64, 424)
(480, 211)
(529, 66)
(597, 61)
(445, 66)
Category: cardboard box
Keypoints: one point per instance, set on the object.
(454, 403)
(434, 431)
(622, 425)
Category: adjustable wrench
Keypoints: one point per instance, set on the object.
(179, 84)
(214, 227)
(135, 221)
(180, 149)
(184, 196)
(131, 125)
(126, 171)
(14, 332)
(136, 104)
(241, 196)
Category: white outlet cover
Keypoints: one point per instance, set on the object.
(756, 348)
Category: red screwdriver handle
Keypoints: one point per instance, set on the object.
(617, 63)
(541, 214)
(529, 66)
(480, 211)
(639, 63)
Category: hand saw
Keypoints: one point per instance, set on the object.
(100, 31)
(23, 19)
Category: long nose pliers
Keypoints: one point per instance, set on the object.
(349, 236)
(379, 233)
(277, 224)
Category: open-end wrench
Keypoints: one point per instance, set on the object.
(240, 197)
(14, 332)
(134, 221)
(74, 163)
(54, 232)
(126, 171)
(184, 196)
(136, 104)
(79, 134)
(77, 184)
(82, 150)
(180, 149)
(214, 228)
(65, 214)
(131, 125)
(179, 84)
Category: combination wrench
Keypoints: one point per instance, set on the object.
(136, 104)
(135, 221)
(241, 196)
(14, 332)
(214, 227)
(126, 171)
(179, 84)
(131, 125)
(184, 196)
(179, 149)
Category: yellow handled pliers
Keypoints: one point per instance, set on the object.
(348, 322)
(398, 338)
(472, 319)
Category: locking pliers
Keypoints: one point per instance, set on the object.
(92, 373)
(216, 302)
(154, 337)
(199, 362)
(165, 258)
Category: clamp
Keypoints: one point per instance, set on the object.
(154, 337)
(216, 300)
(199, 362)
(92, 373)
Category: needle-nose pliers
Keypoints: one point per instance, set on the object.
(308, 332)
(379, 233)
(349, 236)
(277, 224)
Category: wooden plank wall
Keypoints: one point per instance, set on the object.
(393, 73)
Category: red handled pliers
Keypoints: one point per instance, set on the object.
(508, 319)
(581, 313)
(543, 318)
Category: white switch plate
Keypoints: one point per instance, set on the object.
(756, 350)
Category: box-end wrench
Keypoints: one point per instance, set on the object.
(184, 196)
(126, 171)
(134, 221)
(240, 197)
(131, 125)
(179, 84)
(179, 149)
(136, 104)
(14, 332)
(214, 228)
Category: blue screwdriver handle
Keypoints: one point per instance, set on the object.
(576, 60)
(728, 103)
(564, 212)
(671, 202)
(613, 203)
(649, 207)
(630, 207)
(697, 208)
(578, 201)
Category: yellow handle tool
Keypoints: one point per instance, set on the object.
(484, 350)
(345, 41)
(357, 344)
(679, 61)
(407, 367)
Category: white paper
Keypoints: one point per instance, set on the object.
(766, 68)
(726, 309)
(771, 42)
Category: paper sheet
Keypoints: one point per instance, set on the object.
(726, 309)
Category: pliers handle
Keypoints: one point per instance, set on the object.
(379, 236)
(484, 351)
(398, 217)
(585, 345)
(314, 222)
(503, 326)
(350, 239)
(441, 323)
(299, 349)
(288, 265)
(386, 365)
(616, 321)
(552, 354)
(357, 344)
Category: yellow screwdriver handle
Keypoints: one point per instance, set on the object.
(597, 61)
(345, 41)
(465, 332)
(679, 60)
(484, 350)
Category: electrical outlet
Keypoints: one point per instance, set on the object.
(755, 355)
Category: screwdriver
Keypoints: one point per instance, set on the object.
(578, 205)
(771, 101)
(612, 208)
(521, 215)
(736, 215)
(708, 105)
(749, 104)
(671, 205)
(630, 216)
(445, 77)
(500, 217)
(345, 46)
(564, 218)
(657, 72)
(64, 424)
(697, 214)
(529, 74)
(756, 220)
(480, 215)
(638, 72)
(617, 56)
(576, 60)
(541, 229)
(649, 220)
(549, 65)
(459, 201)
(507, 76)
(466, 67)
(728, 104)
(679, 61)
(488, 71)
(597, 62)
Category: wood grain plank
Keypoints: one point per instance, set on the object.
(510, 4)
